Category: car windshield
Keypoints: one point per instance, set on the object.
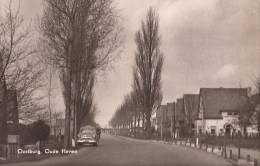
(88, 131)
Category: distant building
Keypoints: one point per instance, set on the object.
(57, 127)
(179, 118)
(190, 112)
(60, 126)
(219, 109)
(3, 110)
(12, 113)
(165, 119)
(8, 113)
(170, 117)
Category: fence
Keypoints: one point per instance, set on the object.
(9, 151)
(252, 141)
(3, 151)
(222, 146)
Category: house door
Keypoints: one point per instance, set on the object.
(228, 128)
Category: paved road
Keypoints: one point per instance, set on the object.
(120, 151)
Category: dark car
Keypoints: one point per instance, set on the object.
(87, 135)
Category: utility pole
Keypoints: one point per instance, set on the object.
(174, 121)
(49, 97)
(161, 112)
(171, 123)
(161, 129)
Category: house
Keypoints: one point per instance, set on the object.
(190, 112)
(163, 116)
(170, 116)
(8, 113)
(3, 110)
(12, 120)
(219, 110)
(179, 118)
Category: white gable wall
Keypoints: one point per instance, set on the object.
(206, 125)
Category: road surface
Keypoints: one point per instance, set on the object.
(120, 151)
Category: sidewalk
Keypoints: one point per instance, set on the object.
(254, 153)
(244, 152)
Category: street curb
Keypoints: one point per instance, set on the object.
(212, 150)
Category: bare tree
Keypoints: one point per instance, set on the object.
(138, 99)
(254, 104)
(257, 83)
(50, 75)
(83, 37)
(20, 67)
(249, 109)
(148, 64)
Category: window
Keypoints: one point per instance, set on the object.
(235, 113)
(229, 113)
(213, 130)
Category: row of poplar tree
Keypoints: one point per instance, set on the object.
(146, 94)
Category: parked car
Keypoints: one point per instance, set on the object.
(87, 135)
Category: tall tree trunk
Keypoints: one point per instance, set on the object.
(148, 126)
(148, 130)
(135, 124)
(143, 124)
(67, 142)
(3, 113)
(77, 103)
(49, 98)
(67, 121)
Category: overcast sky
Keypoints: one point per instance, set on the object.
(206, 43)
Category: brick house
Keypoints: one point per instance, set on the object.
(8, 113)
(219, 109)
(12, 113)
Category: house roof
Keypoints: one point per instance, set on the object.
(216, 99)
